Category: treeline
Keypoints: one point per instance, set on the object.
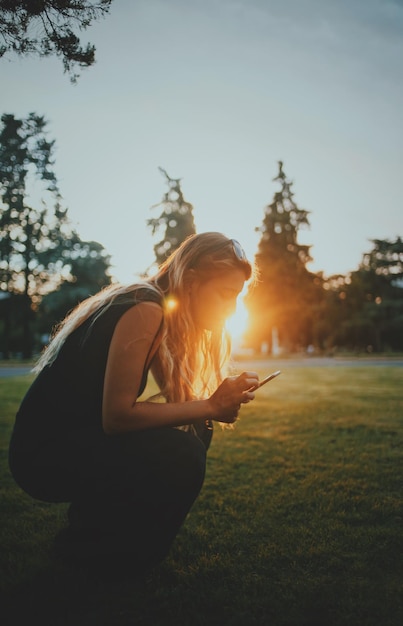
(362, 311)
(46, 268)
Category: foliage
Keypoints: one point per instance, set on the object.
(88, 265)
(385, 259)
(366, 307)
(46, 27)
(30, 238)
(176, 220)
(298, 522)
(38, 247)
(286, 298)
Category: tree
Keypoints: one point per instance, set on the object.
(176, 220)
(27, 237)
(88, 271)
(363, 311)
(386, 262)
(385, 259)
(373, 300)
(46, 27)
(285, 298)
(38, 247)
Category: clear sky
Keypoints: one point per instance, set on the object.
(216, 92)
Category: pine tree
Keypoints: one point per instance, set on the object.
(282, 302)
(176, 220)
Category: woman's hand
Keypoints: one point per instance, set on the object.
(226, 401)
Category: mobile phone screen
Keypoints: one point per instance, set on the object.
(266, 380)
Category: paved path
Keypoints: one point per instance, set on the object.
(277, 363)
(6, 371)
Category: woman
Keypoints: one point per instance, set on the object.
(132, 470)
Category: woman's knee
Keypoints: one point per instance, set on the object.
(178, 459)
(152, 459)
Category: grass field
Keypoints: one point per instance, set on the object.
(299, 521)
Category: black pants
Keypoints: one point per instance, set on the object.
(129, 493)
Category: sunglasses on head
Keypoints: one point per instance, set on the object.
(238, 250)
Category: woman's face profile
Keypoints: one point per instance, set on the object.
(213, 301)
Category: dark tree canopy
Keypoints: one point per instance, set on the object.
(39, 250)
(281, 223)
(175, 221)
(386, 258)
(366, 307)
(87, 264)
(287, 292)
(47, 27)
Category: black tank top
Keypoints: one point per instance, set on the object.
(67, 395)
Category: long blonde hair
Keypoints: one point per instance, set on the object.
(190, 359)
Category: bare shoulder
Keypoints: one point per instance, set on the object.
(146, 316)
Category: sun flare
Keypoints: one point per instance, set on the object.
(236, 324)
(170, 303)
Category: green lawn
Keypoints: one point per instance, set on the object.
(299, 522)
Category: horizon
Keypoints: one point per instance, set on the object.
(216, 95)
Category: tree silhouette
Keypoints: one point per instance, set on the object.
(86, 272)
(283, 300)
(38, 247)
(46, 27)
(175, 221)
(366, 306)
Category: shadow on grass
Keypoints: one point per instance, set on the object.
(51, 596)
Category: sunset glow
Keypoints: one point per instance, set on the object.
(236, 324)
(230, 47)
(170, 303)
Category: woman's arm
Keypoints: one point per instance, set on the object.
(131, 350)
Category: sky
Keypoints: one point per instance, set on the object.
(216, 92)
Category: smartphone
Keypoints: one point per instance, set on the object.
(266, 380)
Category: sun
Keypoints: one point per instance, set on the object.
(236, 324)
